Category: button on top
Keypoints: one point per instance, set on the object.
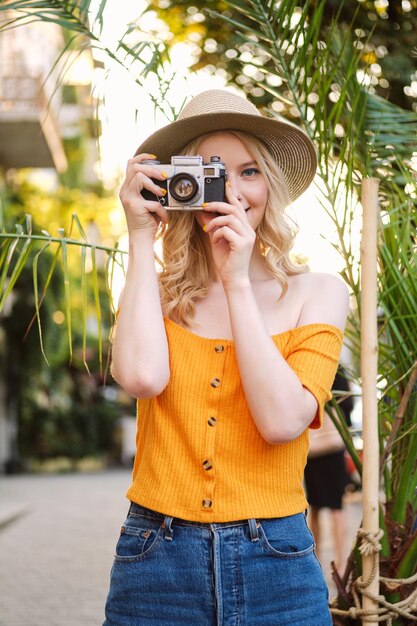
(211, 421)
(219, 348)
(215, 382)
(207, 503)
(207, 464)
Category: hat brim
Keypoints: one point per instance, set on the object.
(291, 148)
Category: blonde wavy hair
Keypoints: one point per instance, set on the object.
(187, 273)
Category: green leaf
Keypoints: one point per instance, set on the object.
(36, 294)
(96, 292)
(408, 564)
(84, 304)
(5, 290)
(67, 291)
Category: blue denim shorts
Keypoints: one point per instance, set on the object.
(246, 573)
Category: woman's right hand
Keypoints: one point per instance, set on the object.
(141, 214)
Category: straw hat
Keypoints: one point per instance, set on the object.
(218, 109)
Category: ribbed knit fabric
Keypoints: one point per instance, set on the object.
(199, 454)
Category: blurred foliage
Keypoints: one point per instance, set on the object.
(74, 148)
(385, 33)
(57, 406)
(54, 208)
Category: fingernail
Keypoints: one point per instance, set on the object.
(153, 156)
(205, 226)
(204, 204)
(228, 183)
(164, 192)
(164, 175)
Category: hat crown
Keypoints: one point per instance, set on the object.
(217, 101)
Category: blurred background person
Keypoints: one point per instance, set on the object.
(326, 473)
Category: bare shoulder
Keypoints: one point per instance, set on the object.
(325, 299)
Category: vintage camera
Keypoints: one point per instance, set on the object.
(190, 182)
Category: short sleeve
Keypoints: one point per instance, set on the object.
(313, 354)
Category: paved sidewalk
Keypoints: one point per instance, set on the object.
(57, 538)
(55, 558)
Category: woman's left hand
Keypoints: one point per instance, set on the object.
(232, 238)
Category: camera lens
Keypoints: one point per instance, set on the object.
(183, 187)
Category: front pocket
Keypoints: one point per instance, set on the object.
(287, 537)
(135, 544)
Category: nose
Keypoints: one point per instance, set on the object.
(235, 187)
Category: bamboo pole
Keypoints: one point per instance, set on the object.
(369, 372)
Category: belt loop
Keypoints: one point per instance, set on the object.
(253, 530)
(166, 525)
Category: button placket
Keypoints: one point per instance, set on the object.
(208, 462)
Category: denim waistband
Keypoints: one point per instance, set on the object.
(137, 509)
(167, 521)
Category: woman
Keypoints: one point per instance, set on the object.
(231, 351)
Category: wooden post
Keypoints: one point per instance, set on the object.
(369, 372)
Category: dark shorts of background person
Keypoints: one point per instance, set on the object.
(326, 479)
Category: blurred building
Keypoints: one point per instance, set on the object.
(47, 110)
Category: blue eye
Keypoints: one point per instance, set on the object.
(250, 172)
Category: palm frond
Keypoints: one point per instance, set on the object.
(18, 247)
(70, 14)
(147, 55)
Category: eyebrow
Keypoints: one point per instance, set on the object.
(248, 164)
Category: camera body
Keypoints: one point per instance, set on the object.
(190, 182)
